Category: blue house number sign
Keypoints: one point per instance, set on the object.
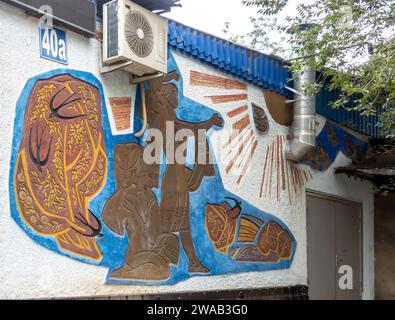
(53, 44)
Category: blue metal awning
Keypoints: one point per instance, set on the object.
(262, 70)
(265, 71)
(345, 116)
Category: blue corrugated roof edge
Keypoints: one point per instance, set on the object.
(265, 71)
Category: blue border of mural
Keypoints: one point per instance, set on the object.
(113, 243)
(112, 246)
(333, 149)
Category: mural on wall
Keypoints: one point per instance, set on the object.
(291, 178)
(134, 209)
(242, 134)
(285, 175)
(251, 239)
(149, 259)
(260, 119)
(332, 140)
(121, 109)
(79, 190)
(62, 163)
(277, 172)
(221, 224)
(279, 176)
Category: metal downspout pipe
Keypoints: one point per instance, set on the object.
(303, 125)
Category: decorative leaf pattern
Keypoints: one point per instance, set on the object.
(62, 161)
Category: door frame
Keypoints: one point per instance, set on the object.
(327, 196)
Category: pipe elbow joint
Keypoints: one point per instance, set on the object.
(296, 149)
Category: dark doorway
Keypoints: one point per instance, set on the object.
(384, 236)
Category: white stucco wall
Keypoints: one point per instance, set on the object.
(27, 270)
(294, 216)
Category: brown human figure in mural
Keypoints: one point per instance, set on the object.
(152, 227)
(62, 163)
(134, 209)
(178, 180)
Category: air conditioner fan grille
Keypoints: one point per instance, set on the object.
(139, 34)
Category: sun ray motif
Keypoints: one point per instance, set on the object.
(206, 80)
(248, 162)
(237, 134)
(240, 139)
(242, 123)
(249, 146)
(219, 99)
(235, 112)
(239, 152)
(289, 178)
(264, 172)
(279, 176)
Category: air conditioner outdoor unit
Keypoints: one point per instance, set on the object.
(135, 35)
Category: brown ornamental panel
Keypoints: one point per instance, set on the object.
(62, 163)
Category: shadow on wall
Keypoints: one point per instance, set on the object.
(384, 235)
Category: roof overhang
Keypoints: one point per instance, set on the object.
(159, 6)
(80, 15)
(75, 15)
(379, 167)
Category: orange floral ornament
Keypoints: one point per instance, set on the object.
(62, 163)
(221, 224)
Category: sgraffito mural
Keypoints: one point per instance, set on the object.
(279, 176)
(61, 163)
(280, 180)
(255, 240)
(332, 140)
(80, 191)
(285, 175)
(121, 109)
(155, 245)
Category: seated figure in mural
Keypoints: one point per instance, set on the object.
(134, 208)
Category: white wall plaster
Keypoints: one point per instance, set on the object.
(27, 270)
(294, 216)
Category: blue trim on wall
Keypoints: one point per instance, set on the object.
(110, 243)
(332, 150)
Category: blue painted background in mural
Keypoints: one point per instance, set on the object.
(332, 140)
(113, 247)
(109, 243)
